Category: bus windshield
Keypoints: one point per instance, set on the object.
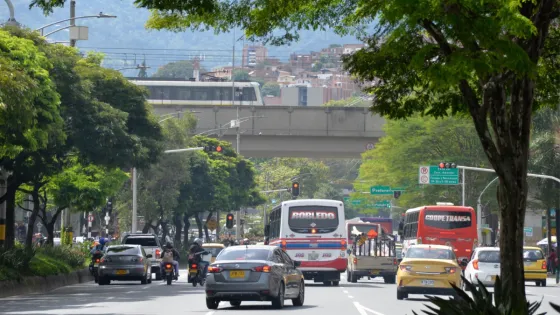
(313, 219)
(447, 220)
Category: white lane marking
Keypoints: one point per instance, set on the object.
(110, 297)
(345, 291)
(364, 310)
(553, 296)
(350, 296)
(210, 313)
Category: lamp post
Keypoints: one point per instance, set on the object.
(101, 15)
(479, 210)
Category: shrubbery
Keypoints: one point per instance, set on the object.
(42, 261)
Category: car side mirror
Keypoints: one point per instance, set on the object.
(297, 263)
(267, 230)
(149, 256)
(348, 251)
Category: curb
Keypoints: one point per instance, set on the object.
(30, 285)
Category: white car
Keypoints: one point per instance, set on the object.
(484, 266)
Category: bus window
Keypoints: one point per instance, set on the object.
(313, 219)
(447, 219)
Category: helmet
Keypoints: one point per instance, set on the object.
(169, 245)
(103, 241)
(198, 241)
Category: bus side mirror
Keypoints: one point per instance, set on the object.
(267, 230)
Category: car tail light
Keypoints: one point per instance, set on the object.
(193, 266)
(214, 269)
(158, 252)
(355, 261)
(264, 268)
(97, 260)
(475, 264)
(544, 265)
(168, 265)
(395, 262)
(405, 267)
(105, 259)
(450, 270)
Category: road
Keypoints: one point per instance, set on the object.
(123, 298)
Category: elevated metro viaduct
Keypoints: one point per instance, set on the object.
(289, 131)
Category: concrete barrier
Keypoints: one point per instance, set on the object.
(29, 285)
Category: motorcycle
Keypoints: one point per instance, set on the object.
(196, 275)
(169, 272)
(94, 266)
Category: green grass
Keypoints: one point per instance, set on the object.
(44, 261)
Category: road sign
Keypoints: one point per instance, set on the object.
(356, 201)
(346, 199)
(382, 204)
(90, 218)
(370, 146)
(380, 190)
(212, 224)
(433, 175)
(528, 231)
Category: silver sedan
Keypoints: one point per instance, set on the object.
(125, 263)
(254, 273)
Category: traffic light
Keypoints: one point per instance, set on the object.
(229, 221)
(447, 165)
(295, 189)
(397, 194)
(213, 148)
(109, 206)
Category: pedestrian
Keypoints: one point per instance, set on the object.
(553, 258)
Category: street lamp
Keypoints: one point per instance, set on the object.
(101, 15)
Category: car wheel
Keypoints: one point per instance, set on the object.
(278, 301)
(543, 283)
(354, 278)
(145, 280)
(212, 304)
(298, 301)
(158, 275)
(538, 283)
(235, 303)
(400, 295)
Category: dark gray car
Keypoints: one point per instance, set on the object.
(254, 273)
(125, 263)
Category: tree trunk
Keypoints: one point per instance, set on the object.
(50, 232)
(186, 227)
(164, 230)
(178, 230)
(32, 219)
(10, 216)
(198, 224)
(208, 217)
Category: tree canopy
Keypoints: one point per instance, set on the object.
(176, 70)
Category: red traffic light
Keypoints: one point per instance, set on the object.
(296, 185)
(219, 148)
(441, 165)
(230, 217)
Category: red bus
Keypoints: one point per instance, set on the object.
(443, 224)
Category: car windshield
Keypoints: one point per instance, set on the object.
(243, 254)
(532, 254)
(489, 256)
(430, 253)
(123, 250)
(142, 241)
(213, 250)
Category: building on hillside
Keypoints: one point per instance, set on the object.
(254, 54)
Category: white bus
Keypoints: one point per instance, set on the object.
(183, 92)
(312, 231)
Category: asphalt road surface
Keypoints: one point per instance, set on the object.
(131, 298)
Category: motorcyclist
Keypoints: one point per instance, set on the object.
(195, 255)
(99, 247)
(170, 255)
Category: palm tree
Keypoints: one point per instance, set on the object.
(545, 159)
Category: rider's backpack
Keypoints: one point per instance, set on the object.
(168, 256)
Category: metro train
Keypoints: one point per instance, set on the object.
(183, 92)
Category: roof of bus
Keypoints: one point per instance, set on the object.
(460, 208)
(308, 201)
(374, 219)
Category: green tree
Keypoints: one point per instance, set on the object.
(271, 88)
(176, 70)
(481, 58)
(241, 75)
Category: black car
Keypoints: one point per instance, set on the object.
(254, 273)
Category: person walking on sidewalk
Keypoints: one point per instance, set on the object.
(553, 258)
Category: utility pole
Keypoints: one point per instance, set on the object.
(72, 21)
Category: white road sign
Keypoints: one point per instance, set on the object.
(424, 175)
(90, 218)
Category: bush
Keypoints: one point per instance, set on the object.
(481, 303)
(75, 258)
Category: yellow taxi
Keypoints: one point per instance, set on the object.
(214, 249)
(534, 263)
(428, 269)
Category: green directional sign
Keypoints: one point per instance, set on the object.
(357, 201)
(433, 175)
(346, 199)
(382, 204)
(381, 190)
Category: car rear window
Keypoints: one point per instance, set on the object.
(430, 253)
(142, 241)
(532, 254)
(489, 256)
(243, 254)
(123, 250)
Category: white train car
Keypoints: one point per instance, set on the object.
(176, 92)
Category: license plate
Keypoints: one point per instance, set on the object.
(121, 272)
(193, 271)
(237, 274)
(427, 282)
(374, 272)
(528, 263)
